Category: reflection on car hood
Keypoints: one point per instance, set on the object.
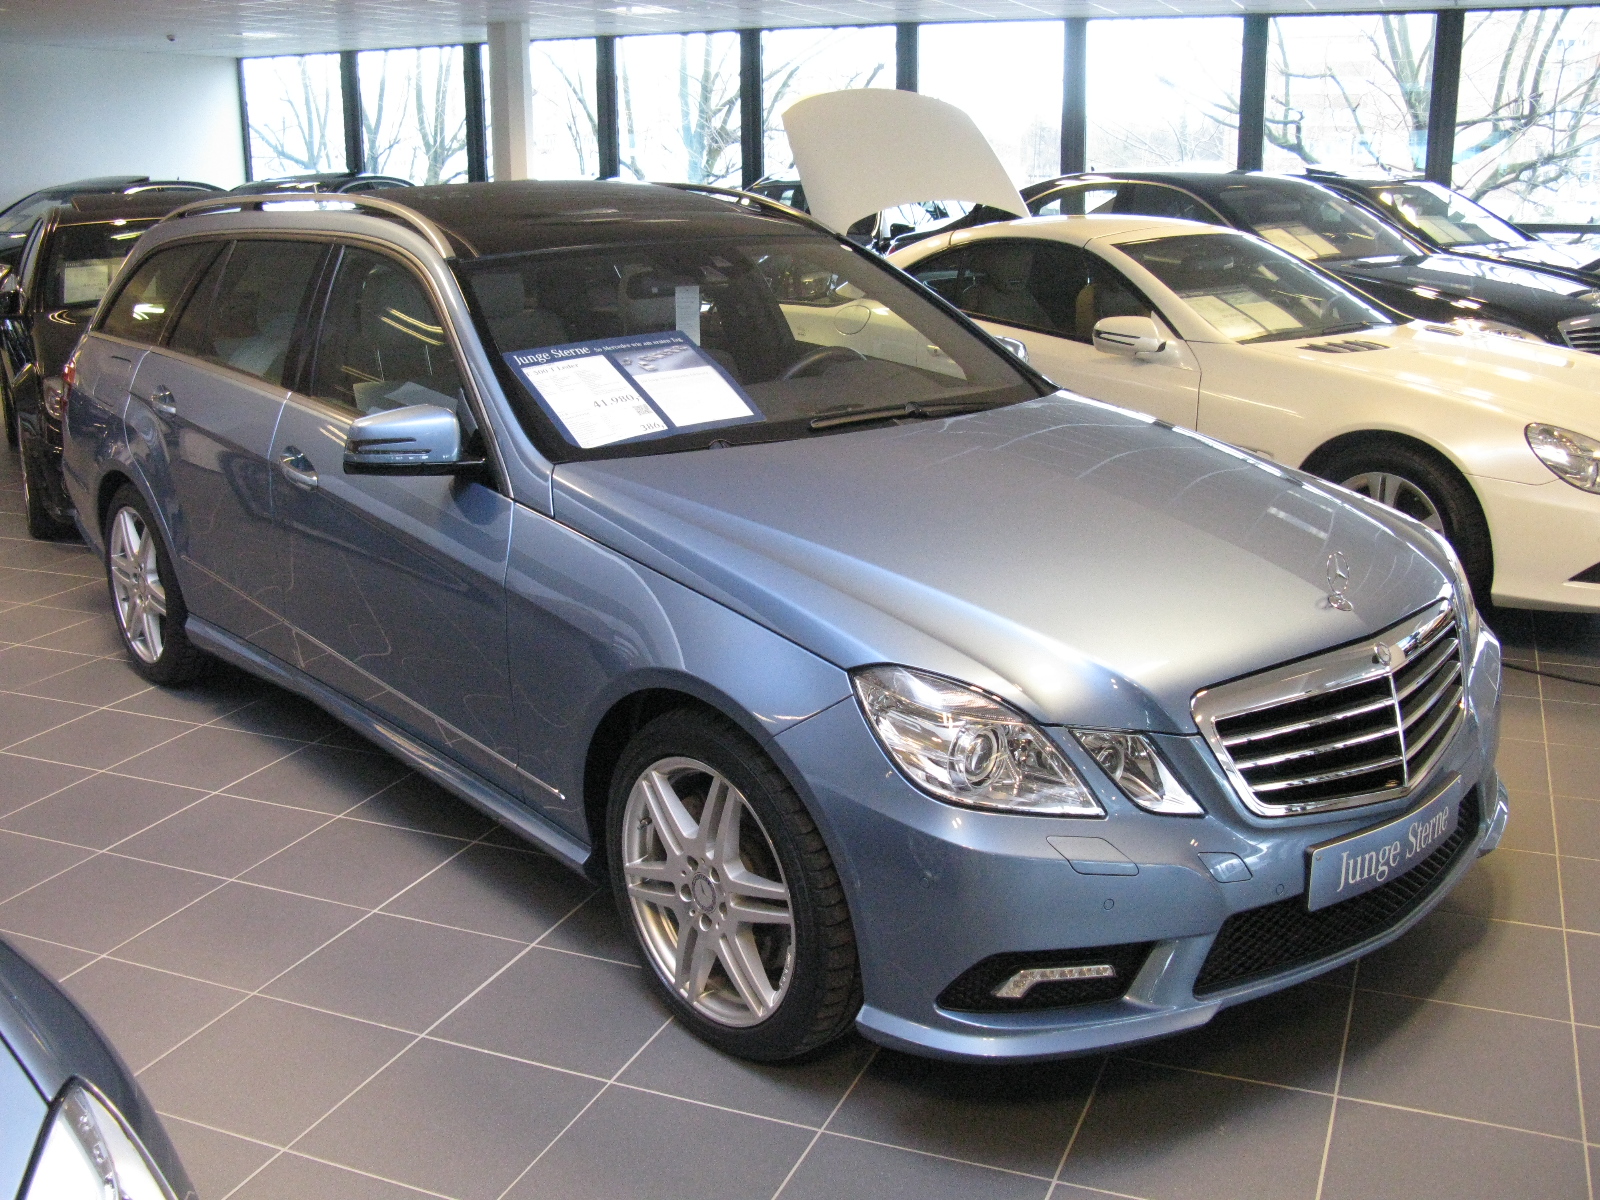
(1538, 293)
(1543, 254)
(1531, 380)
(1079, 560)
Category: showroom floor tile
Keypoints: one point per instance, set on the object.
(338, 982)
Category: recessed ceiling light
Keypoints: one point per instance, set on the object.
(256, 33)
(639, 10)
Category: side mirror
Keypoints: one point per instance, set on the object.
(1129, 337)
(1018, 348)
(420, 439)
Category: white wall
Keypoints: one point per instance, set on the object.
(70, 114)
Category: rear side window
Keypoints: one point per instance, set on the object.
(1154, 200)
(382, 344)
(145, 303)
(1048, 286)
(1078, 201)
(244, 313)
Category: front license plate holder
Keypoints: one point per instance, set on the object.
(1346, 867)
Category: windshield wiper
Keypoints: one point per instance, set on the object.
(890, 412)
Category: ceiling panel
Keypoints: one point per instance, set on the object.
(256, 27)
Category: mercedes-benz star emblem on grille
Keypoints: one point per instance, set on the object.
(1339, 582)
(1382, 655)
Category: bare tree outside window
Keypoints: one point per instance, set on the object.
(678, 101)
(797, 63)
(413, 113)
(1163, 93)
(1528, 117)
(565, 143)
(296, 116)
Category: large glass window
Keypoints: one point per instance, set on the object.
(1528, 117)
(1164, 93)
(565, 142)
(1349, 92)
(1006, 75)
(414, 113)
(678, 107)
(296, 114)
(796, 63)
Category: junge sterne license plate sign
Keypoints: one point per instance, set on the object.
(1371, 858)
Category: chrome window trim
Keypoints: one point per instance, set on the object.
(1343, 667)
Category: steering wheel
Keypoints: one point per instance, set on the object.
(805, 364)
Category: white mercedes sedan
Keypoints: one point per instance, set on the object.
(1491, 440)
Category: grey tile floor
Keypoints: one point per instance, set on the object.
(338, 982)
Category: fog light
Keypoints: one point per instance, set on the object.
(1023, 981)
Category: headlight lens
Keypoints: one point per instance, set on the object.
(964, 747)
(89, 1154)
(1139, 772)
(1480, 325)
(1572, 456)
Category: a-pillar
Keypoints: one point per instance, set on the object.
(510, 98)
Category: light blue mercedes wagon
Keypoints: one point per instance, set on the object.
(885, 684)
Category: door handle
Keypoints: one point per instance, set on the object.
(161, 400)
(297, 468)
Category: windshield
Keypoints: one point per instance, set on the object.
(84, 258)
(1252, 292)
(1310, 223)
(19, 218)
(1445, 217)
(650, 349)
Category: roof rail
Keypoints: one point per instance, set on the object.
(752, 198)
(228, 202)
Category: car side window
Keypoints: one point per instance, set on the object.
(245, 311)
(942, 273)
(1079, 200)
(144, 305)
(382, 343)
(1156, 200)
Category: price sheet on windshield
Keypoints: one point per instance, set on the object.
(625, 389)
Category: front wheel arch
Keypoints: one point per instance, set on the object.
(1480, 567)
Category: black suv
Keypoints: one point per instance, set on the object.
(17, 218)
(66, 265)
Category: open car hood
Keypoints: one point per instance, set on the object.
(863, 150)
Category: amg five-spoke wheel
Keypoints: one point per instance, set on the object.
(145, 594)
(724, 880)
(707, 892)
(136, 585)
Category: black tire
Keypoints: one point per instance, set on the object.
(41, 524)
(818, 989)
(1459, 513)
(169, 659)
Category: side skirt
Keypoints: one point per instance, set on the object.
(448, 774)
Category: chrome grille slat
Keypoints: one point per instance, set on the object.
(1366, 768)
(1356, 725)
(1450, 652)
(1270, 760)
(1298, 726)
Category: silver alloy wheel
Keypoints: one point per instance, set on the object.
(136, 585)
(707, 892)
(1400, 494)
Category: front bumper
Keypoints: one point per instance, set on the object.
(936, 889)
(1543, 534)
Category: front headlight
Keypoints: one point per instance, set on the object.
(1139, 772)
(1482, 325)
(89, 1154)
(1572, 456)
(962, 746)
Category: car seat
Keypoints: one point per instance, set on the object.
(513, 322)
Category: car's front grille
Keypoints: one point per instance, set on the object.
(1280, 937)
(1581, 333)
(1355, 726)
(974, 989)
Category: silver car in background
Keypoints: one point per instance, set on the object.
(884, 684)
